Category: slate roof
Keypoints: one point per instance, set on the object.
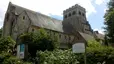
(98, 35)
(87, 37)
(40, 20)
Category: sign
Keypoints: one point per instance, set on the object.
(20, 51)
(78, 48)
(22, 47)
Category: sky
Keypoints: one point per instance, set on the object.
(95, 9)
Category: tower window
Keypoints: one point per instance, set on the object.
(73, 13)
(79, 13)
(65, 16)
(83, 14)
(69, 14)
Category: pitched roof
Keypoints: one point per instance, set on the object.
(87, 37)
(40, 20)
(100, 36)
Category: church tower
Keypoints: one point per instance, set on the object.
(74, 19)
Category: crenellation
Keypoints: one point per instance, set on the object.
(74, 7)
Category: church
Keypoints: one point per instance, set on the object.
(72, 29)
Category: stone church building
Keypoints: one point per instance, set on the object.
(72, 29)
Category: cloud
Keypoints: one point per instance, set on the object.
(100, 31)
(99, 2)
(54, 7)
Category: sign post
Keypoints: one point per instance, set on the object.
(80, 48)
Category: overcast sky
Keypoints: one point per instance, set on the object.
(95, 9)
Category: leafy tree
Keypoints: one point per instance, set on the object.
(39, 40)
(109, 22)
(111, 4)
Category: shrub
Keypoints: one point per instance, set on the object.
(96, 53)
(99, 53)
(57, 57)
(6, 44)
(7, 58)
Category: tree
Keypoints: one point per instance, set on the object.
(109, 22)
(39, 40)
(111, 4)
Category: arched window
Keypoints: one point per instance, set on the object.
(23, 17)
(79, 13)
(73, 13)
(65, 16)
(69, 14)
(83, 14)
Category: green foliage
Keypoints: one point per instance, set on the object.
(7, 58)
(99, 53)
(57, 57)
(39, 40)
(93, 43)
(110, 26)
(6, 48)
(111, 4)
(6, 44)
(109, 22)
(3, 56)
(96, 53)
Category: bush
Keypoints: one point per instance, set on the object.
(57, 57)
(14, 60)
(96, 53)
(99, 53)
(7, 58)
(7, 44)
